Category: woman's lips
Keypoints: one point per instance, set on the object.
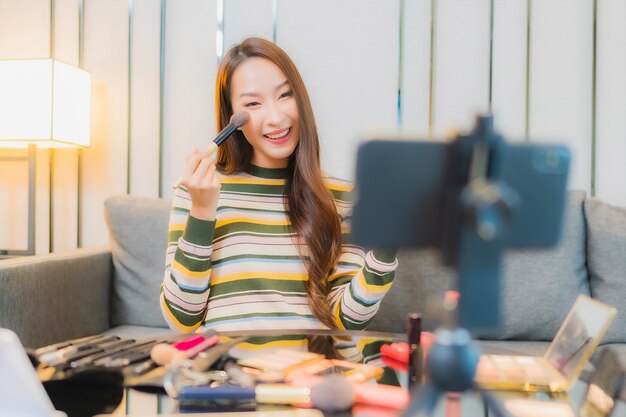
(278, 137)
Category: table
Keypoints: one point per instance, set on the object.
(139, 404)
(469, 404)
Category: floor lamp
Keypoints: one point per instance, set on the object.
(44, 103)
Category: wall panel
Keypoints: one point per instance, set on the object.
(461, 74)
(64, 211)
(24, 29)
(509, 65)
(351, 75)
(561, 80)
(14, 198)
(42, 210)
(416, 68)
(348, 52)
(66, 21)
(104, 163)
(24, 33)
(64, 168)
(611, 102)
(244, 18)
(145, 100)
(190, 70)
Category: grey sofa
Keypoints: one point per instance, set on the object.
(49, 298)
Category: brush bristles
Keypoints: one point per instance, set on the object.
(240, 118)
(334, 393)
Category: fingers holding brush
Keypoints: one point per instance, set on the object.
(236, 122)
(200, 176)
(201, 179)
(193, 160)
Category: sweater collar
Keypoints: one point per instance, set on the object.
(270, 173)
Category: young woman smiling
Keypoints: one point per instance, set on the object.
(258, 239)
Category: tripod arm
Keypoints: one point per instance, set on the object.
(424, 399)
(451, 365)
(494, 403)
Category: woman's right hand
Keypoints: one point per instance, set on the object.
(201, 180)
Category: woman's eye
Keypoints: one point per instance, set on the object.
(286, 94)
(251, 104)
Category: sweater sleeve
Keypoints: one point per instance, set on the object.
(361, 278)
(185, 288)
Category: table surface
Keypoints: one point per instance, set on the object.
(141, 404)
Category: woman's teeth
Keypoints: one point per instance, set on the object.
(280, 135)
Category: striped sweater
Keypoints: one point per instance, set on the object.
(243, 271)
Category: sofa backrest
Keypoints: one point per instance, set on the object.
(538, 287)
(606, 260)
(138, 236)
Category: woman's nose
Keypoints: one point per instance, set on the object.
(273, 115)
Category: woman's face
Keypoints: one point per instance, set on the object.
(260, 87)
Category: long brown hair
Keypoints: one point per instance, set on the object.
(310, 205)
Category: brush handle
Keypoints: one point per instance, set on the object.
(262, 393)
(202, 346)
(222, 392)
(381, 395)
(210, 151)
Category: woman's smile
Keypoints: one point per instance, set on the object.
(279, 137)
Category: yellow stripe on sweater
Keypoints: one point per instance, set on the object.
(373, 287)
(337, 314)
(250, 181)
(174, 321)
(177, 227)
(271, 345)
(362, 342)
(339, 187)
(224, 222)
(188, 273)
(255, 275)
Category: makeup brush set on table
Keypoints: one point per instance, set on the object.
(197, 371)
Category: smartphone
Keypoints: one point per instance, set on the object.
(403, 191)
(472, 198)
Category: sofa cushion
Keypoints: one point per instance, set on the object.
(139, 332)
(606, 260)
(54, 297)
(539, 286)
(419, 282)
(138, 235)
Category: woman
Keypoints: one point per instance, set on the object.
(258, 238)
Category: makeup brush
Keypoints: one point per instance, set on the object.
(338, 390)
(163, 353)
(333, 393)
(236, 121)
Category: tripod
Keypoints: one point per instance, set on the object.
(472, 198)
(451, 366)
(474, 242)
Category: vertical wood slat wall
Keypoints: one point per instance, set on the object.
(373, 68)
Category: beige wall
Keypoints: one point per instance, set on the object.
(538, 65)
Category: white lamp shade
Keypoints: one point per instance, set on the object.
(44, 102)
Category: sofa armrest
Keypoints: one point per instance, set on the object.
(49, 298)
